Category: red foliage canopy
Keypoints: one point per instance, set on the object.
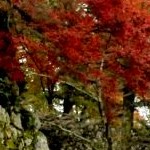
(127, 24)
(8, 61)
(106, 40)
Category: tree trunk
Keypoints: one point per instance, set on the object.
(120, 128)
(128, 109)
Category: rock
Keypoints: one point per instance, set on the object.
(4, 123)
(4, 117)
(16, 120)
(28, 137)
(36, 122)
(20, 130)
(41, 142)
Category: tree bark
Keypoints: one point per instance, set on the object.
(127, 125)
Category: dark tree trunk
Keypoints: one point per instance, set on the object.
(128, 109)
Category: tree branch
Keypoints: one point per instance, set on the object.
(74, 134)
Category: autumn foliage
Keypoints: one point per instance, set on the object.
(106, 41)
(8, 61)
